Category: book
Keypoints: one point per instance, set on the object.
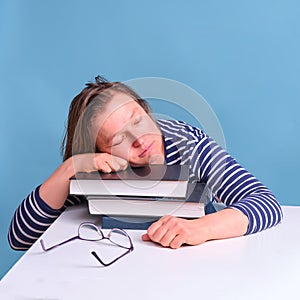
(143, 223)
(150, 180)
(128, 222)
(192, 206)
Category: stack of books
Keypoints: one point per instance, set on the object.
(136, 197)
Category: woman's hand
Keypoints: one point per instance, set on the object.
(55, 189)
(90, 162)
(174, 232)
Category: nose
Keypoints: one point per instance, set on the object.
(138, 142)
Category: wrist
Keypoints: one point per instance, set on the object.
(55, 189)
(226, 223)
(203, 230)
(67, 168)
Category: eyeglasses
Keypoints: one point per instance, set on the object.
(90, 232)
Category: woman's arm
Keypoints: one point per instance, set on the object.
(173, 232)
(55, 189)
(32, 218)
(235, 186)
(251, 207)
(44, 204)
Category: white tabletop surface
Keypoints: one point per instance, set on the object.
(265, 265)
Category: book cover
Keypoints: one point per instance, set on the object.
(150, 180)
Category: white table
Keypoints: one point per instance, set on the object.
(265, 265)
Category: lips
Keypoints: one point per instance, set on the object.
(143, 154)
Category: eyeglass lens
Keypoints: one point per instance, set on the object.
(120, 238)
(90, 232)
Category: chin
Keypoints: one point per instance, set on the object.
(143, 162)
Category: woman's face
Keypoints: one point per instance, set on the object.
(127, 131)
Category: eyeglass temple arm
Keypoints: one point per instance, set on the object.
(54, 246)
(110, 263)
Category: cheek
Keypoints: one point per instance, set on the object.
(149, 125)
(121, 151)
(145, 129)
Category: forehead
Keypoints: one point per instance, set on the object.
(119, 104)
(117, 114)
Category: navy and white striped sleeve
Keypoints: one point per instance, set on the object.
(235, 186)
(230, 182)
(32, 218)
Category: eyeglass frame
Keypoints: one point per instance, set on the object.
(102, 237)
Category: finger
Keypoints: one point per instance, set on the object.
(99, 163)
(153, 227)
(168, 237)
(104, 167)
(123, 165)
(145, 237)
(158, 230)
(116, 163)
(177, 242)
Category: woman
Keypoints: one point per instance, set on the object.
(109, 126)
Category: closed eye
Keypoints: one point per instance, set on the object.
(137, 119)
(118, 139)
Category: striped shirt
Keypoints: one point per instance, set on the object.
(208, 163)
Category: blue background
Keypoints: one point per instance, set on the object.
(241, 56)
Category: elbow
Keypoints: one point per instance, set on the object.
(17, 244)
(280, 213)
